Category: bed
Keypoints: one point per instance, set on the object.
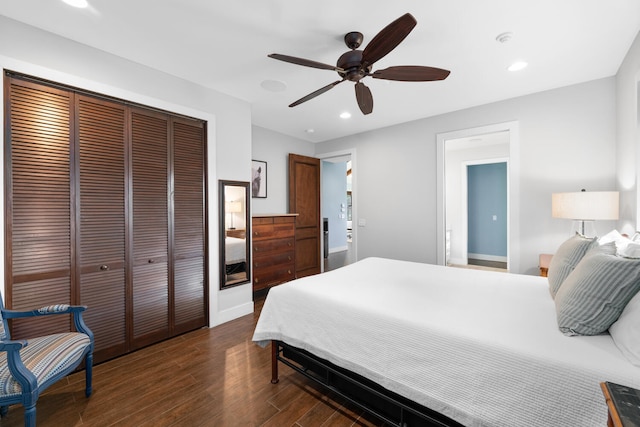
(235, 255)
(479, 348)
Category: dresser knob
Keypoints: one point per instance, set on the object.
(151, 261)
(288, 271)
(104, 267)
(289, 257)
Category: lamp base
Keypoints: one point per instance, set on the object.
(584, 227)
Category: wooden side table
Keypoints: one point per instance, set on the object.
(239, 233)
(543, 263)
(623, 403)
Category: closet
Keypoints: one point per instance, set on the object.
(104, 207)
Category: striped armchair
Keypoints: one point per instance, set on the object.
(27, 367)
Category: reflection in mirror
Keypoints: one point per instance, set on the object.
(234, 239)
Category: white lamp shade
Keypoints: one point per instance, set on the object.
(586, 205)
(233, 207)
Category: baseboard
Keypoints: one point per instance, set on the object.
(233, 313)
(485, 257)
(338, 249)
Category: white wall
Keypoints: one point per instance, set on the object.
(274, 148)
(567, 142)
(31, 51)
(628, 135)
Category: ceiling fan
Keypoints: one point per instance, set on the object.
(355, 64)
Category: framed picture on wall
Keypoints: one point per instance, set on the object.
(258, 179)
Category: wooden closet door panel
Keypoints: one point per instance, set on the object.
(149, 142)
(37, 180)
(102, 222)
(189, 243)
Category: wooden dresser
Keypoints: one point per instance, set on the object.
(274, 252)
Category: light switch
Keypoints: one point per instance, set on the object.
(362, 222)
(495, 217)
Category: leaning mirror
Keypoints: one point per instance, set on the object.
(234, 239)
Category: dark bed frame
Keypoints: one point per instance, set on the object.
(390, 407)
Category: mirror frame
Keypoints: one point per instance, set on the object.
(222, 185)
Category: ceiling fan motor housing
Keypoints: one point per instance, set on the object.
(351, 63)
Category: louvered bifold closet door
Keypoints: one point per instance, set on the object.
(149, 142)
(189, 226)
(38, 203)
(102, 222)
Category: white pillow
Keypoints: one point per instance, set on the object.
(626, 331)
(620, 241)
(632, 250)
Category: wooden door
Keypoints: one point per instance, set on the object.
(189, 227)
(150, 222)
(38, 204)
(101, 221)
(304, 199)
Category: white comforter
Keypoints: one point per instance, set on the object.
(235, 250)
(480, 347)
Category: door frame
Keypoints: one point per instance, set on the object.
(514, 187)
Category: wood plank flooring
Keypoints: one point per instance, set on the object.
(209, 377)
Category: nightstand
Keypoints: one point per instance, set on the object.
(543, 262)
(240, 233)
(623, 403)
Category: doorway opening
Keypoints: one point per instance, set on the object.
(486, 212)
(456, 152)
(338, 208)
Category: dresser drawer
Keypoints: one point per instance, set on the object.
(272, 231)
(272, 260)
(273, 246)
(273, 276)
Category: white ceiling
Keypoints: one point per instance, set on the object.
(223, 45)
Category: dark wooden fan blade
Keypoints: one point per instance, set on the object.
(387, 39)
(302, 61)
(411, 73)
(316, 93)
(364, 97)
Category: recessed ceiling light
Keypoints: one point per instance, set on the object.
(310, 130)
(504, 37)
(517, 66)
(273, 85)
(77, 3)
(345, 115)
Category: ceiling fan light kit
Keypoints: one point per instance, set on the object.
(355, 64)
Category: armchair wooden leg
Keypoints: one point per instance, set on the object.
(88, 363)
(30, 416)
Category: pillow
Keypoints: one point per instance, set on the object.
(632, 250)
(626, 331)
(615, 236)
(565, 260)
(595, 293)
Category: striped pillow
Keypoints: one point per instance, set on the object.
(595, 293)
(565, 260)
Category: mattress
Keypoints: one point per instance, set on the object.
(235, 250)
(480, 347)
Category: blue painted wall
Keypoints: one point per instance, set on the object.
(486, 198)
(334, 197)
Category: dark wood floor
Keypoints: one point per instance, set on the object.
(209, 377)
